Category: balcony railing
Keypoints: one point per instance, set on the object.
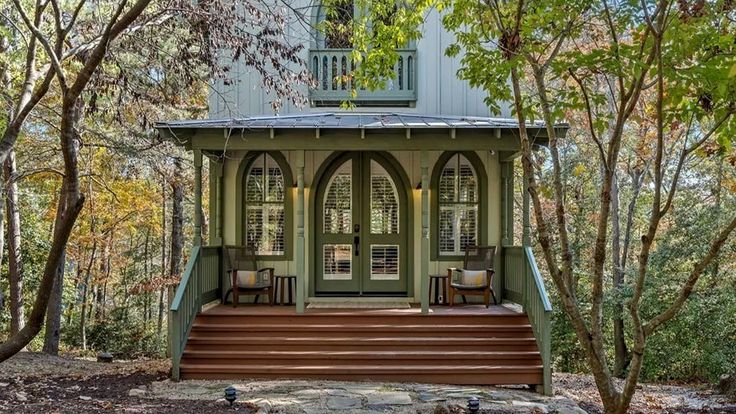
(332, 67)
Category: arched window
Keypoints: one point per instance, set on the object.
(267, 199)
(458, 215)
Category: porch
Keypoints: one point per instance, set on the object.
(356, 205)
(464, 344)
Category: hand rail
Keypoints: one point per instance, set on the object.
(331, 69)
(539, 310)
(199, 284)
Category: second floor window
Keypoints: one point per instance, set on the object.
(338, 24)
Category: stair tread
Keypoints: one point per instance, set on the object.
(345, 354)
(346, 339)
(432, 369)
(355, 327)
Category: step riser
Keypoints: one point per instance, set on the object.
(460, 378)
(428, 320)
(384, 347)
(366, 362)
(366, 334)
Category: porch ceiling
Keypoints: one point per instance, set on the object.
(356, 131)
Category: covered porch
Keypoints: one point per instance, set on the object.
(313, 152)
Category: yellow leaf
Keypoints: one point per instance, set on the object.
(732, 72)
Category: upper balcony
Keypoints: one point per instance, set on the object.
(331, 68)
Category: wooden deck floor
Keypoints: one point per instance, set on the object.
(280, 310)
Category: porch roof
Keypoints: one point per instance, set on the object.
(353, 120)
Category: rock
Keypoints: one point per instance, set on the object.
(569, 410)
(500, 396)
(105, 357)
(343, 403)
(4, 384)
(541, 408)
(85, 398)
(429, 397)
(381, 399)
(136, 392)
(264, 407)
(21, 396)
(222, 402)
(74, 388)
(727, 385)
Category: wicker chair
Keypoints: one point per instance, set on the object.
(476, 276)
(245, 277)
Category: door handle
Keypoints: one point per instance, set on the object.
(356, 245)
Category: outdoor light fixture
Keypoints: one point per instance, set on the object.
(230, 395)
(473, 404)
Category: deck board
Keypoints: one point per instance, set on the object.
(280, 310)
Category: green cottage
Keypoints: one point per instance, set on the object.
(359, 223)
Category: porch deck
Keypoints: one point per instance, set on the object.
(281, 310)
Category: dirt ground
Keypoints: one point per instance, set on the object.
(37, 383)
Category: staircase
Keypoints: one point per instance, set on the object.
(357, 345)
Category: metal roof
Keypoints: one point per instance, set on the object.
(352, 120)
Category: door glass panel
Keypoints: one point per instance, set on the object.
(385, 262)
(338, 212)
(384, 202)
(337, 261)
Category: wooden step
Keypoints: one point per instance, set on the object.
(349, 318)
(453, 374)
(201, 329)
(285, 343)
(370, 357)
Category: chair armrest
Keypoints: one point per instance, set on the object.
(489, 276)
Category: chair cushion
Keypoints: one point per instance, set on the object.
(473, 278)
(247, 279)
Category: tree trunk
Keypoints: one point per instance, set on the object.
(619, 341)
(162, 288)
(177, 221)
(53, 313)
(15, 260)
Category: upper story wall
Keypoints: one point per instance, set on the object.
(438, 90)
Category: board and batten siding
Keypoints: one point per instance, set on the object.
(439, 91)
(409, 161)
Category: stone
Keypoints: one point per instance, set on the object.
(74, 388)
(264, 407)
(85, 398)
(21, 396)
(429, 397)
(4, 384)
(500, 396)
(105, 357)
(569, 410)
(136, 392)
(380, 399)
(540, 408)
(343, 403)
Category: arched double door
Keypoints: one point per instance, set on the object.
(361, 227)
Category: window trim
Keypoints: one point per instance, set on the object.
(241, 207)
(482, 219)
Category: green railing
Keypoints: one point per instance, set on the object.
(331, 69)
(524, 285)
(200, 284)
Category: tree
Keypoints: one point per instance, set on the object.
(603, 60)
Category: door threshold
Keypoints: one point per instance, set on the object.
(340, 299)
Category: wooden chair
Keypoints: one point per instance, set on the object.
(476, 276)
(245, 277)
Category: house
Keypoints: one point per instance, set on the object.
(361, 206)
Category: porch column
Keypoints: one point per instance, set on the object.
(300, 256)
(197, 197)
(216, 170)
(507, 203)
(526, 239)
(424, 272)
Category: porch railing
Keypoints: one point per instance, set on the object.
(331, 69)
(523, 284)
(200, 284)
